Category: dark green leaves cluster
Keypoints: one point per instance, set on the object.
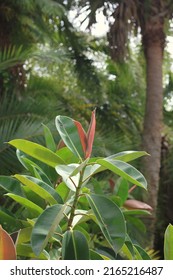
(58, 211)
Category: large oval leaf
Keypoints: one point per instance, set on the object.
(7, 248)
(11, 185)
(32, 207)
(140, 253)
(74, 246)
(24, 235)
(33, 168)
(65, 172)
(124, 170)
(63, 191)
(122, 189)
(25, 250)
(7, 218)
(168, 243)
(110, 220)
(40, 188)
(37, 151)
(128, 155)
(50, 143)
(45, 227)
(67, 155)
(69, 134)
(96, 256)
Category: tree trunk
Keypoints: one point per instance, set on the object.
(165, 198)
(153, 42)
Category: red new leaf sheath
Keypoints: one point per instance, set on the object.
(90, 135)
(82, 135)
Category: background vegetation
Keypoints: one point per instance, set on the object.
(49, 67)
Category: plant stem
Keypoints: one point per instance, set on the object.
(74, 205)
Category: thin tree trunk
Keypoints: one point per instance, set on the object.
(165, 198)
(153, 43)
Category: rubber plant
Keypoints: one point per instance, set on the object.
(64, 212)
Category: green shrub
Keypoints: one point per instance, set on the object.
(61, 210)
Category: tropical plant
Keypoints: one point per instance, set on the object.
(18, 31)
(62, 211)
(48, 30)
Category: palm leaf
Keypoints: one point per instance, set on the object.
(13, 55)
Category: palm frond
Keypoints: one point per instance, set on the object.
(18, 119)
(12, 55)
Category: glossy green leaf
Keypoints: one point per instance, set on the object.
(37, 151)
(92, 169)
(50, 143)
(122, 190)
(95, 168)
(128, 250)
(81, 216)
(95, 256)
(22, 156)
(168, 243)
(24, 235)
(35, 198)
(79, 167)
(135, 222)
(116, 199)
(140, 253)
(11, 185)
(66, 154)
(25, 250)
(127, 156)
(7, 218)
(84, 231)
(69, 134)
(110, 220)
(125, 171)
(97, 186)
(32, 207)
(74, 246)
(63, 191)
(65, 172)
(33, 168)
(136, 212)
(45, 227)
(40, 188)
(38, 173)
